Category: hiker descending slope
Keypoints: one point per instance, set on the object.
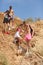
(6, 20)
(26, 36)
(11, 13)
(8, 16)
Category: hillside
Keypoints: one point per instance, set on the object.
(8, 49)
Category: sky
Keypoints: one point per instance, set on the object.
(24, 8)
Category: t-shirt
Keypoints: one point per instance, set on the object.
(17, 35)
(11, 13)
(6, 15)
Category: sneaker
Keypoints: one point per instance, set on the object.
(27, 54)
(9, 28)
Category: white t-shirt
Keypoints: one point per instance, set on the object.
(17, 35)
(11, 13)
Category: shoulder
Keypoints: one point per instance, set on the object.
(12, 10)
(6, 11)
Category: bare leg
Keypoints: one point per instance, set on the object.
(28, 48)
(19, 43)
(9, 26)
(5, 27)
(12, 23)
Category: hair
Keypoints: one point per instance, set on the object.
(10, 7)
(24, 22)
(30, 26)
(20, 24)
(31, 30)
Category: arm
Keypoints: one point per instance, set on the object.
(12, 12)
(5, 12)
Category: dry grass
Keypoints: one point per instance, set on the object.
(8, 50)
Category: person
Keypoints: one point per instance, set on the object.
(6, 20)
(18, 40)
(27, 38)
(28, 26)
(8, 16)
(11, 13)
(17, 37)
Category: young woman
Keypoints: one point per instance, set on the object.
(27, 38)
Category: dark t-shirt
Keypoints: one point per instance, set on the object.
(6, 17)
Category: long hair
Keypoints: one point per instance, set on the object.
(31, 30)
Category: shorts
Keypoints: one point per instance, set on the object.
(28, 37)
(6, 20)
(17, 40)
(17, 35)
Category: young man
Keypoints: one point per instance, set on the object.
(6, 20)
(11, 13)
(8, 16)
